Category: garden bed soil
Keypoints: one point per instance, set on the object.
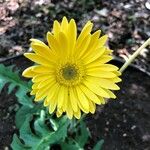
(124, 123)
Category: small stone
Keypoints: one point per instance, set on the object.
(106, 129)
(127, 6)
(124, 120)
(147, 5)
(146, 137)
(118, 125)
(96, 18)
(121, 102)
(107, 123)
(125, 110)
(133, 127)
(103, 12)
(6, 148)
(14, 127)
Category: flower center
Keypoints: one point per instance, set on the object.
(69, 74)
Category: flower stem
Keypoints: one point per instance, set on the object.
(81, 119)
(134, 55)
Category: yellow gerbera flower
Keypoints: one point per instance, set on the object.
(71, 74)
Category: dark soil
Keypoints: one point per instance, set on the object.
(124, 123)
(8, 107)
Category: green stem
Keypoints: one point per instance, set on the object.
(82, 117)
(42, 115)
(134, 55)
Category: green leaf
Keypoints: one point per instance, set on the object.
(26, 133)
(21, 115)
(60, 134)
(41, 137)
(54, 124)
(25, 111)
(7, 75)
(39, 125)
(71, 145)
(17, 145)
(82, 138)
(11, 87)
(24, 100)
(99, 145)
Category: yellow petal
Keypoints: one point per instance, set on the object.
(53, 43)
(59, 112)
(103, 40)
(92, 107)
(96, 89)
(107, 84)
(101, 74)
(61, 95)
(93, 64)
(52, 99)
(118, 73)
(33, 92)
(108, 67)
(82, 100)
(94, 55)
(66, 99)
(112, 95)
(102, 99)
(64, 25)
(42, 50)
(42, 93)
(77, 114)
(45, 83)
(108, 51)
(41, 77)
(90, 94)
(56, 28)
(38, 59)
(85, 31)
(96, 34)
(81, 49)
(64, 44)
(36, 41)
(69, 110)
(72, 34)
(104, 59)
(43, 69)
(35, 86)
(29, 73)
(73, 100)
(116, 79)
(94, 44)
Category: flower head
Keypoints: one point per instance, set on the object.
(71, 73)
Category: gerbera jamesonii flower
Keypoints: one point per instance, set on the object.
(72, 73)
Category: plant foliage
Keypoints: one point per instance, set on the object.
(37, 129)
(42, 135)
(7, 75)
